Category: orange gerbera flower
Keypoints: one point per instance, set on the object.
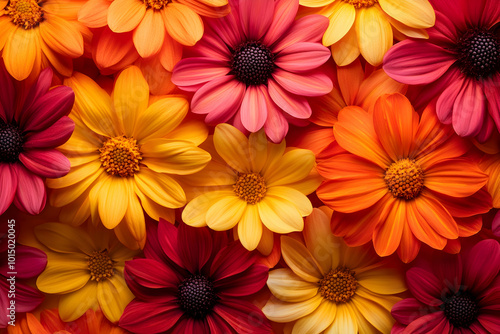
(369, 26)
(36, 33)
(399, 180)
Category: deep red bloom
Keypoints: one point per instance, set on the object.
(455, 294)
(459, 64)
(28, 136)
(193, 281)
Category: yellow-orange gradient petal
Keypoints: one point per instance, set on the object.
(182, 23)
(374, 34)
(300, 260)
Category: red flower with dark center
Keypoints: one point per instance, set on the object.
(28, 136)
(193, 280)
(455, 294)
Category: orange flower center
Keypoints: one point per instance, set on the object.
(405, 179)
(361, 3)
(25, 13)
(338, 285)
(156, 4)
(250, 187)
(121, 156)
(100, 265)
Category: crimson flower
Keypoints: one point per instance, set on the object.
(455, 294)
(193, 281)
(255, 66)
(459, 64)
(28, 136)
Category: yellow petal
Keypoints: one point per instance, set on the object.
(134, 219)
(274, 155)
(341, 21)
(288, 287)
(386, 301)
(302, 203)
(113, 200)
(194, 214)
(86, 173)
(300, 260)
(315, 3)
(374, 34)
(279, 311)
(279, 215)
(192, 130)
(75, 304)
(160, 118)
(63, 277)
(266, 243)
(318, 320)
(130, 97)
(82, 141)
(153, 209)
(225, 213)
(293, 166)
(232, 146)
(113, 295)
(258, 150)
(384, 281)
(182, 23)
(379, 317)
(125, 236)
(414, 13)
(250, 228)
(346, 50)
(62, 238)
(174, 157)
(161, 188)
(345, 321)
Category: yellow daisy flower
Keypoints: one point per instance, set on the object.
(253, 184)
(329, 287)
(369, 26)
(126, 154)
(85, 266)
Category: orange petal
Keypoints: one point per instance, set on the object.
(182, 23)
(469, 226)
(421, 229)
(387, 235)
(350, 78)
(149, 34)
(61, 36)
(437, 216)
(377, 84)
(93, 13)
(213, 9)
(125, 15)
(409, 246)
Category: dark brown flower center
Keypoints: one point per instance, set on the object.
(361, 3)
(404, 179)
(100, 265)
(25, 13)
(479, 53)
(461, 310)
(252, 63)
(156, 4)
(338, 285)
(197, 296)
(11, 142)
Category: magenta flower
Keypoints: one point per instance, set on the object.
(28, 262)
(193, 281)
(28, 136)
(459, 64)
(454, 294)
(255, 67)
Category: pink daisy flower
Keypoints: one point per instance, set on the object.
(454, 294)
(459, 64)
(28, 136)
(256, 66)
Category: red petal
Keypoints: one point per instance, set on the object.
(148, 317)
(45, 163)
(8, 184)
(231, 260)
(407, 310)
(244, 317)
(194, 247)
(482, 265)
(152, 274)
(246, 283)
(53, 136)
(424, 286)
(30, 196)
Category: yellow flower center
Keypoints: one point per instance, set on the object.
(405, 179)
(338, 285)
(121, 156)
(100, 265)
(250, 187)
(361, 3)
(156, 4)
(25, 13)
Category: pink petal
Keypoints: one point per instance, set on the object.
(435, 323)
(219, 98)
(444, 31)
(445, 102)
(246, 283)
(46, 110)
(8, 184)
(243, 316)
(284, 15)
(424, 286)
(213, 47)
(455, 11)
(256, 17)
(417, 62)
(309, 28)
(302, 57)
(55, 135)
(482, 265)
(254, 108)
(151, 274)
(194, 246)
(195, 71)
(294, 105)
(30, 262)
(7, 95)
(310, 84)
(492, 92)
(230, 261)
(407, 310)
(45, 163)
(149, 317)
(30, 196)
(276, 126)
(469, 109)
(228, 27)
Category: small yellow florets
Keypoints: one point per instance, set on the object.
(120, 156)
(338, 285)
(251, 187)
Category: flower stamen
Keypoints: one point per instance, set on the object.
(361, 3)
(100, 265)
(120, 156)
(339, 285)
(404, 179)
(156, 4)
(25, 13)
(11, 143)
(250, 187)
(252, 63)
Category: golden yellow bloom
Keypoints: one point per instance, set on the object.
(253, 184)
(85, 266)
(329, 287)
(127, 153)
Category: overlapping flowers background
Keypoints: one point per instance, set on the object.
(249, 166)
